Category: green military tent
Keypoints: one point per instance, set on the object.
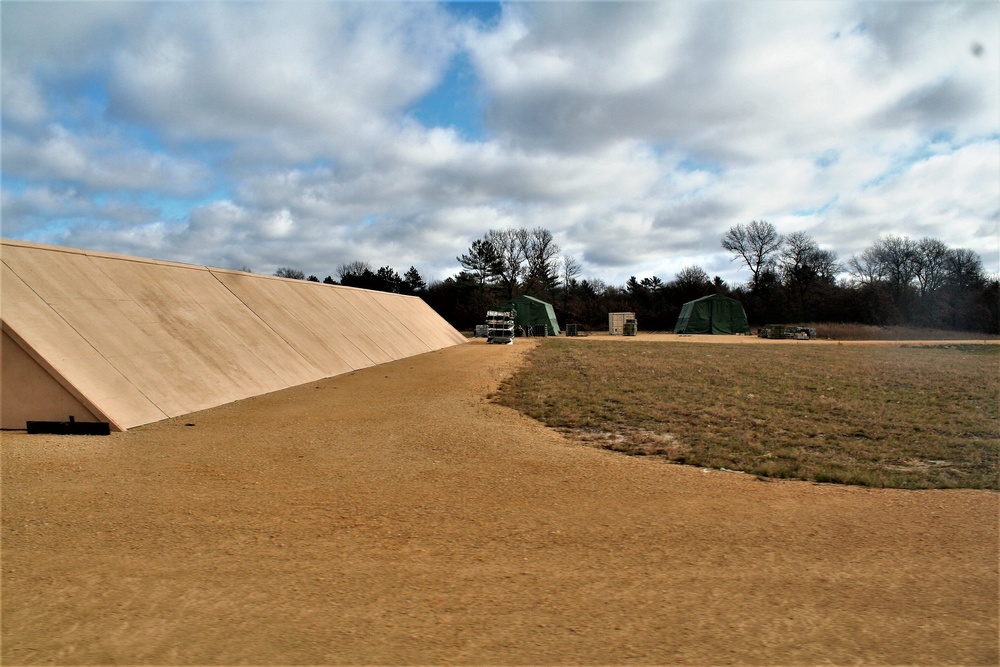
(713, 314)
(532, 312)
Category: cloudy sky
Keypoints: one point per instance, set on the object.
(311, 134)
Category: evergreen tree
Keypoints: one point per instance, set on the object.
(413, 283)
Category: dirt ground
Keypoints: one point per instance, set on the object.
(396, 516)
(663, 337)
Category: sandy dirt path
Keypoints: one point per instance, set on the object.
(396, 516)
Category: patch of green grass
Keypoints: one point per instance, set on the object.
(904, 417)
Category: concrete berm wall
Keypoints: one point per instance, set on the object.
(130, 341)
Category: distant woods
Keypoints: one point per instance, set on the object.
(895, 281)
(360, 274)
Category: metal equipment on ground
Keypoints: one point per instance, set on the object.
(786, 331)
(500, 327)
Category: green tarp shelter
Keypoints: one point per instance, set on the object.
(532, 312)
(713, 314)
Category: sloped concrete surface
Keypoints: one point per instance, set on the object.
(137, 340)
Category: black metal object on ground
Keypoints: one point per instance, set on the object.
(786, 331)
(72, 427)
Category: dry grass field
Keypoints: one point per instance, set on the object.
(397, 516)
(891, 416)
(855, 332)
(844, 332)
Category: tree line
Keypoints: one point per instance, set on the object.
(360, 274)
(894, 281)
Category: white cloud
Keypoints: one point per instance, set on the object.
(302, 78)
(65, 38)
(95, 162)
(637, 132)
(732, 80)
(279, 225)
(22, 101)
(952, 195)
(54, 215)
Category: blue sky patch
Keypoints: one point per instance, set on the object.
(827, 158)
(486, 13)
(458, 101)
(817, 210)
(691, 163)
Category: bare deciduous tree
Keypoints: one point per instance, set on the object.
(510, 247)
(965, 269)
(756, 243)
(289, 272)
(355, 268)
(540, 256)
(692, 278)
(898, 256)
(931, 265)
(866, 267)
(569, 270)
(803, 261)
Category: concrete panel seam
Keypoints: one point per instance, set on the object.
(265, 323)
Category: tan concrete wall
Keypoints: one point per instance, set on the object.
(142, 340)
(58, 347)
(28, 392)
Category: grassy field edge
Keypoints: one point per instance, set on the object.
(902, 417)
